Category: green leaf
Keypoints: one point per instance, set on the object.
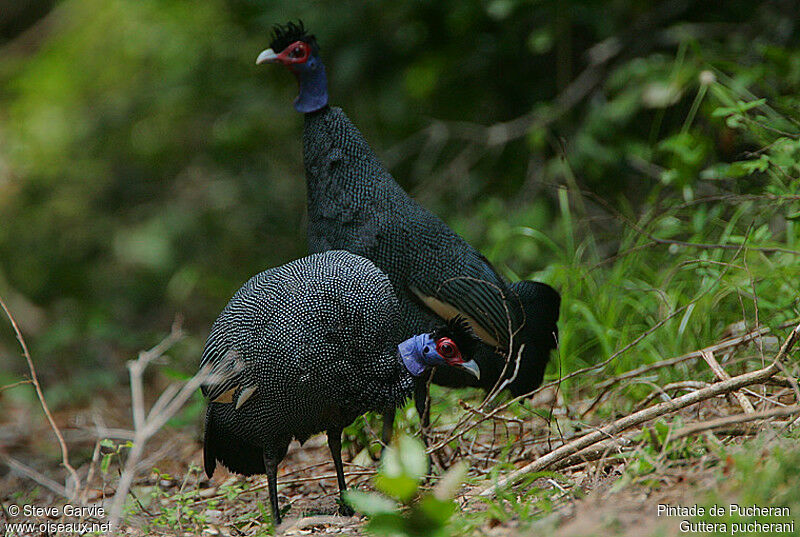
(413, 457)
(369, 504)
(106, 462)
(451, 481)
(387, 525)
(405, 463)
(436, 510)
(401, 487)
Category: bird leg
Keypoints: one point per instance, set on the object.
(388, 428)
(335, 445)
(271, 467)
(422, 400)
(423, 403)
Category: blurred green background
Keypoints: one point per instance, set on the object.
(148, 167)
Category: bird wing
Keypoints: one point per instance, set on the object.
(223, 366)
(477, 293)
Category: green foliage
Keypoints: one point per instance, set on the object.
(148, 171)
(403, 509)
(176, 511)
(521, 507)
(759, 473)
(112, 451)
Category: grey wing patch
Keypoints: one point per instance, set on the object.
(449, 306)
(225, 381)
(224, 377)
(226, 396)
(245, 395)
(448, 311)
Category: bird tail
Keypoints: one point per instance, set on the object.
(221, 445)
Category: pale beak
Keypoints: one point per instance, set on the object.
(472, 368)
(268, 56)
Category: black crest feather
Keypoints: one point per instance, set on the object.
(459, 330)
(284, 35)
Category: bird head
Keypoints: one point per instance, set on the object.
(291, 46)
(294, 48)
(445, 346)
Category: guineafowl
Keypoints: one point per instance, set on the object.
(308, 347)
(354, 204)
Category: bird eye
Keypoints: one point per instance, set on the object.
(446, 348)
(296, 52)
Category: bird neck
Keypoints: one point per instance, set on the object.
(412, 353)
(313, 86)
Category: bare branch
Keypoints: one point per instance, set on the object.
(736, 419)
(146, 425)
(642, 416)
(76, 485)
(721, 374)
(26, 471)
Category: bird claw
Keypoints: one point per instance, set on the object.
(344, 509)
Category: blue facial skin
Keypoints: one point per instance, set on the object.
(313, 85)
(419, 353)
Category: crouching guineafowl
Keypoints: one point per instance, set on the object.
(354, 204)
(308, 347)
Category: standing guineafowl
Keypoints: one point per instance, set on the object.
(354, 204)
(308, 347)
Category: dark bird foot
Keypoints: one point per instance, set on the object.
(344, 509)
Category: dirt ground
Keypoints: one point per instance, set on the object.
(174, 498)
(309, 490)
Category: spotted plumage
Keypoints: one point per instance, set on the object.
(303, 348)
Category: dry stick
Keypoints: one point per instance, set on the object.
(702, 246)
(14, 385)
(645, 415)
(319, 520)
(167, 406)
(455, 435)
(721, 374)
(35, 380)
(26, 471)
(736, 419)
(315, 478)
(656, 240)
(792, 383)
(92, 469)
(466, 406)
(662, 391)
(725, 344)
(137, 369)
(632, 420)
(284, 482)
(602, 449)
(151, 426)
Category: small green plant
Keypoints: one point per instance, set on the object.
(111, 451)
(401, 508)
(177, 510)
